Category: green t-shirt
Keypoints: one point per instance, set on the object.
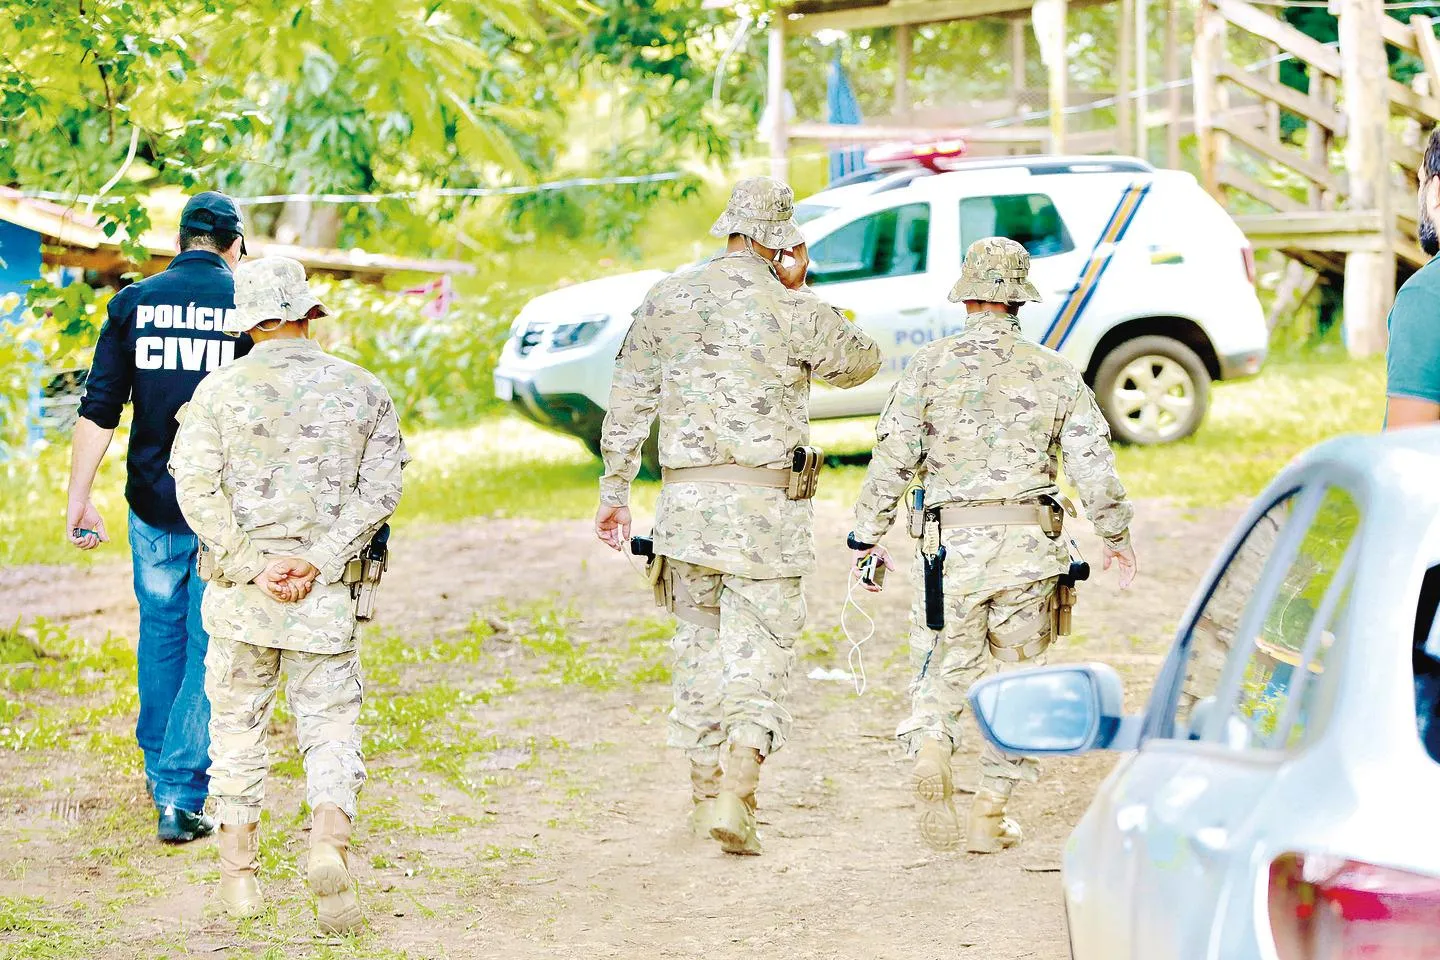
(1412, 361)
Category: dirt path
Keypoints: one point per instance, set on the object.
(522, 803)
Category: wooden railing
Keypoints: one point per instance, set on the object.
(1340, 198)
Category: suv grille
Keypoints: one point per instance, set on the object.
(530, 339)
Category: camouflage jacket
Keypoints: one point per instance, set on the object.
(288, 452)
(983, 417)
(724, 353)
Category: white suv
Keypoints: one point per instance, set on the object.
(1149, 288)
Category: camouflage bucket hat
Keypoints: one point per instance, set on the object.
(996, 270)
(270, 288)
(763, 209)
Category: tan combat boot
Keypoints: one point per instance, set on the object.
(934, 790)
(338, 909)
(989, 829)
(239, 891)
(704, 788)
(734, 821)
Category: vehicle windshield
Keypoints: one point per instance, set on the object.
(805, 212)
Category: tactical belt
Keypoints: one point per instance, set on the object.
(994, 515)
(728, 473)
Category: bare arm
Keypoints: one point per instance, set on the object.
(87, 449)
(1402, 412)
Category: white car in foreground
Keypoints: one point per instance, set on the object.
(1148, 287)
(1277, 800)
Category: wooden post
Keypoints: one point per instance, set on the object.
(1124, 72)
(1059, 96)
(775, 92)
(1172, 77)
(1272, 109)
(903, 50)
(1206, 61)
(1369, 274)
(1142, 78)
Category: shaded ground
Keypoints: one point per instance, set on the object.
(521, 802)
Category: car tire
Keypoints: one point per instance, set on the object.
(1153, 390)
(649, 453)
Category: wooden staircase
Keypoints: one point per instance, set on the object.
(1339, 195)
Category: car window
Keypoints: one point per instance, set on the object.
(888, 243)
(1030, 219)
(1279, 689)
(1213, 632)
(1425, 661)
(1275, 702)
(805, 212)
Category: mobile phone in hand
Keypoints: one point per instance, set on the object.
(872, 571)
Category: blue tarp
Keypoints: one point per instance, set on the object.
(842, 108)
(19, 267)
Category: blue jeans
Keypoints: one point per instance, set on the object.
(174, 725)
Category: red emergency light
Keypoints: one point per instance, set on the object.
(933, 155)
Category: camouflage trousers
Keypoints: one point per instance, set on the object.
(324, 692)
(731, 681)
(946, 662)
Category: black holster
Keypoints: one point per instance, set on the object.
(935, 589)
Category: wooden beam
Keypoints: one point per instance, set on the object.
(1318, 137)
(1172, 77)
(1406, 157)
(775, 93)
(1410, 252)
(903, 50)
(1396, 33)
(1234, 178)
(1422, 29)
(1207, 55)
(1281, 34)
(1292, 100)
(867, 133)
(906, 11)
(1272, 108)
(1369, 274)
(1124, 72)
(1413, 104)
(1059, 72)
(1142, 75)
(1270, 150)
(1311, 223)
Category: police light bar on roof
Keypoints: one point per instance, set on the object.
(933, 154)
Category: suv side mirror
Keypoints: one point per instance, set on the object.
(1064, 709)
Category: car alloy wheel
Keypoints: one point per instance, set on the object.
(1157, 395)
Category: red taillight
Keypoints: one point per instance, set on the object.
(1325, 908)
(1248, 254)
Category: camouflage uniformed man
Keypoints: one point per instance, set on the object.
(287, 463)
(979, 421)
(724, 352)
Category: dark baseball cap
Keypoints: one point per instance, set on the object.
(211, 211)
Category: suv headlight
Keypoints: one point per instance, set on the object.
(567, 336)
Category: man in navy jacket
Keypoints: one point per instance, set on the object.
(161, 337)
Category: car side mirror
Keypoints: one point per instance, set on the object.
(1063, 709)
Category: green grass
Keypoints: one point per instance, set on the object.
(506, 467)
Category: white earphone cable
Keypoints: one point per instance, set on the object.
(855, 659)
